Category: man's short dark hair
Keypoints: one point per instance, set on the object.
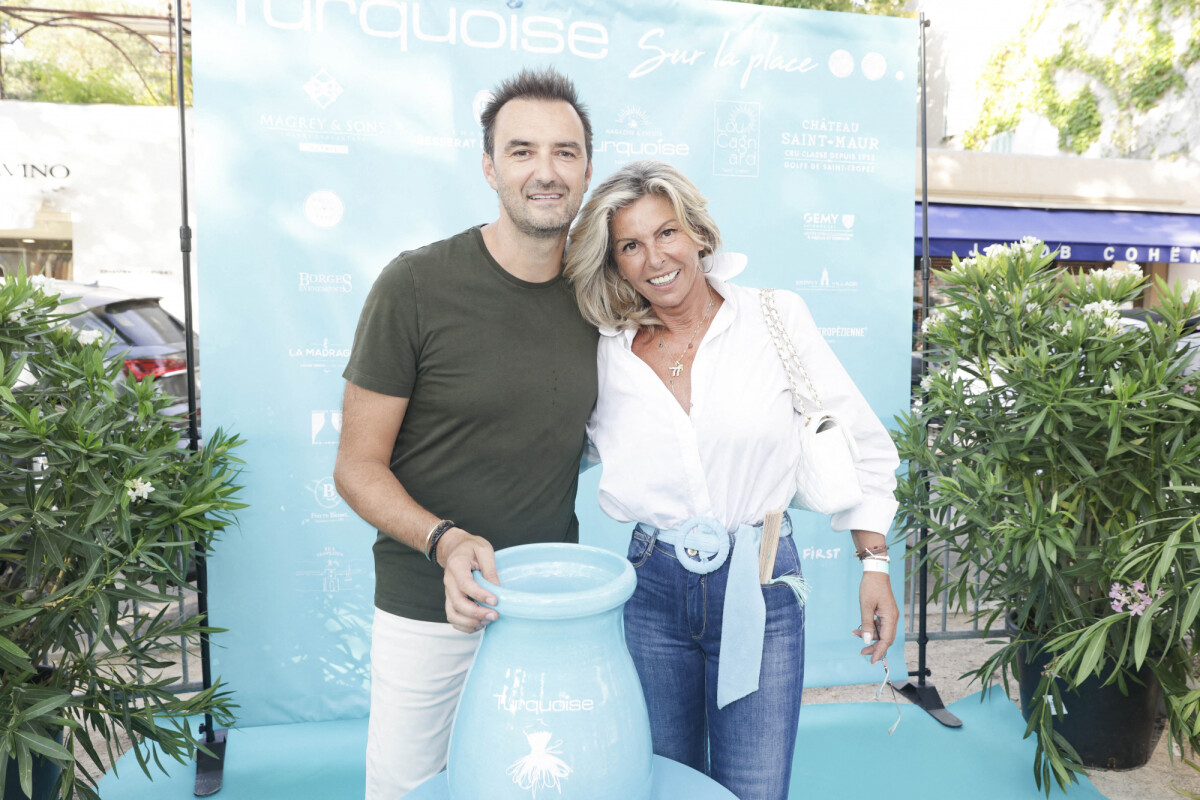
(528, 84)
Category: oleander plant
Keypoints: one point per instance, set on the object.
(102, 511)
(1054, 466)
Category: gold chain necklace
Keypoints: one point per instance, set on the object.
(675, 365)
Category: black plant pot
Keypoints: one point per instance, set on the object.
(1108, 729)
(45, 774)
(45, 771)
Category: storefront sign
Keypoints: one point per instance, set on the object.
(34, 170)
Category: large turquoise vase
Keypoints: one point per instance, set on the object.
(552, 707)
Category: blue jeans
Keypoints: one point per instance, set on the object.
(673, 629)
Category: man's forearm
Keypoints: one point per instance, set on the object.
(375, 495)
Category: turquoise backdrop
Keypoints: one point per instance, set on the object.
(333, 134)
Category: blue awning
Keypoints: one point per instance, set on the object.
(1078, 235)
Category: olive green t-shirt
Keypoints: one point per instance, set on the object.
(501, 376)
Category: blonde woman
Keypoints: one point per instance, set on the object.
(694, 426)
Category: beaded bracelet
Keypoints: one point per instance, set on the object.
(879, 549)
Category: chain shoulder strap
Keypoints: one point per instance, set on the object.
(786, 349)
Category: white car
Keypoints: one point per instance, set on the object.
(1136, 318)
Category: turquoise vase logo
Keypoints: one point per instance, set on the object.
(552, 707)
(542, 768)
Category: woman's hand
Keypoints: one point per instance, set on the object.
(880, 615)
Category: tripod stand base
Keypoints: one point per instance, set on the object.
(210, 769)
(925, 695)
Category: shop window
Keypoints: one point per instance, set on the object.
(51, 258)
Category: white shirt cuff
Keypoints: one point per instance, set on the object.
(873, 514)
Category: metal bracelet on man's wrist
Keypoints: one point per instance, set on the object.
(434, 535)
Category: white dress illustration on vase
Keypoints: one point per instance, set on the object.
(542, 768)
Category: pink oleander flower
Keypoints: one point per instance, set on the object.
(1133, 598)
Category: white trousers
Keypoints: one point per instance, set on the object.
(417, 675)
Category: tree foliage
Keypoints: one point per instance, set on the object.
(890, 8)
(48, 83)
(81, 60)
(1095, 86)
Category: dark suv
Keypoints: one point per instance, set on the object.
(140, 331)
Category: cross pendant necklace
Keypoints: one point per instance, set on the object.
(664, 349)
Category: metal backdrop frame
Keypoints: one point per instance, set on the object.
(922, 693)
(210, 759)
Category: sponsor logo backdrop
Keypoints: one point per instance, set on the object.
(332, 136)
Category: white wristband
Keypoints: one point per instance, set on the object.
(875, 565)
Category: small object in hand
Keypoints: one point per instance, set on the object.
(869, 638)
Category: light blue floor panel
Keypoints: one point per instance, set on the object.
(843, 750)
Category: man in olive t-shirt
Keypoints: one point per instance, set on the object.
(469, 384)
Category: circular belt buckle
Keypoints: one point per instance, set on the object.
(687, 549)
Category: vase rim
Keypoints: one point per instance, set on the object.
(559, 581)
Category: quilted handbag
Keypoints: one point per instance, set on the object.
(826, 478)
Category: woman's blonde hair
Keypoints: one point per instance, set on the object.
(605, 299)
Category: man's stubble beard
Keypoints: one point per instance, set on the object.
(530, 225)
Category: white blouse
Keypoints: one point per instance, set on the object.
(734, 457)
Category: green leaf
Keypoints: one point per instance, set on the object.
(1179, 402)
(1091, 656)
(8, 646)
(44, 707)
(25, 770)
(1036, 425)
(1078, 455)
(18, 617)
(1141, 639)
(1114, 441)
(200, 509)
(44, 746)
(100, 509)
(1190, 611)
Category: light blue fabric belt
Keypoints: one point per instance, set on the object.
(702, 546)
